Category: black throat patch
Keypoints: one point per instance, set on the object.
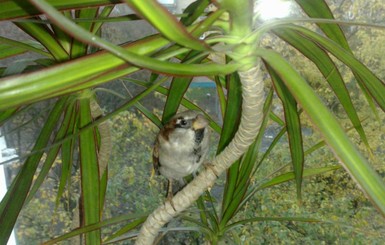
(199, 134)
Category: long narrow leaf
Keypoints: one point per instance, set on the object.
(123, 107)
(90, 182)
(329, 71)
(247, 165)
(63, 38)
(208, 216)
(178, 88)
(290, 176)
(92, 227)
(10, 9)
(264, 219)
(221, 95)
(82, 73)
(166, 23)
(230, 126)
(52, 154)
(130, 226)
(44, 35)
(334, 135)
(9, 51)
(273, 144)
(31, 46)
(67, 150)
(320, 9)
(293, 126)
(194, 11)
(105, 12)
(14, 199)
(186, 103)
(5, 115)
(78, 48)
(372, 83)
(137, 60)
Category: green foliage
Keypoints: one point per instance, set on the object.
(259, 200)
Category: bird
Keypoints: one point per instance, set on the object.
(181, 147)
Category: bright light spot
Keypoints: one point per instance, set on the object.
(167, 1)
(271, 9)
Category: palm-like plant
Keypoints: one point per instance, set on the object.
(72, 72)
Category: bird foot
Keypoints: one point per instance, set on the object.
(170, 194)
(169, 199)
(210, 166)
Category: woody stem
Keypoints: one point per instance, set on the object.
(252, 114)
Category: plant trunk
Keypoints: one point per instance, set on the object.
(252, 109)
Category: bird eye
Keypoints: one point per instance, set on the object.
(183, 122)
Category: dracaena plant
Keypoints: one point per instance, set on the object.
(76, 125)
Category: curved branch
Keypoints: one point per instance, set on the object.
(252, 93)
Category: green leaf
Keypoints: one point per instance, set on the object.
(31, 46)
(137, 60)
(331, 73)
(203, 227)
(105, 12)
(273, 144)
(5, 115)
(67, 151)
(194, 11)
(293, 127)
(264, 219)
(9, 51)
(208, 216)
(52, 154)
(166, 23)
(334, 135)
(230, 126)
(372, 83)
(90, 182)
(44, 35)
(221, 94)
(266, 116)
(45, 83)
(92, 227)
(150, 115)
(82, 73)
(290, 176)
(14, 199)
(63, 38)
(79, 49)
(186, 103)
(10, 9)
(320, 9)
(130, 226)
(178, 88)
(247, 164)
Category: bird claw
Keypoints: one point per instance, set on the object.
(210, 166)
(169, 199)
(170, 194)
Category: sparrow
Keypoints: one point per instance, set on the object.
(181, 147)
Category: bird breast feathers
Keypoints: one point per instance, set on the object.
(181, 140)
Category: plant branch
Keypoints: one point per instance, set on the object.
(252, 93)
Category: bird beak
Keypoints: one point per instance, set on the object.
(200, 122)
